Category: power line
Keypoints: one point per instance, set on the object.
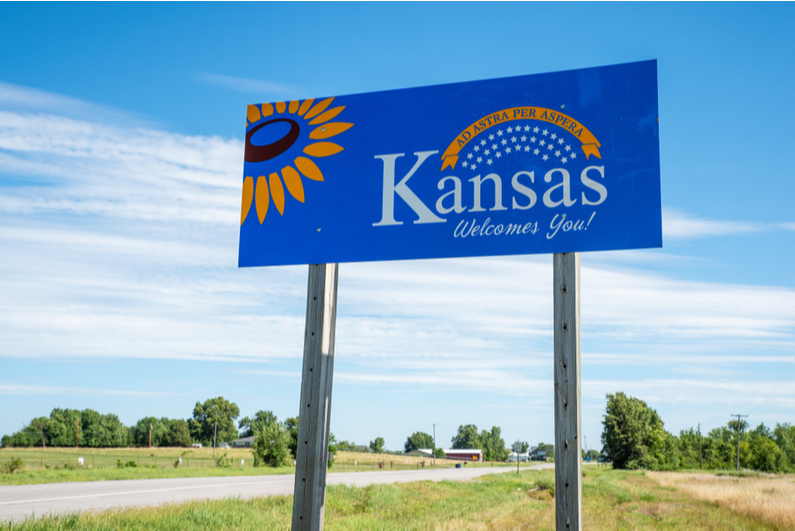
(738, 437)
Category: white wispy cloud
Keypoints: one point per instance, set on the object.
(242, 84)
(129, 173)
(680, 225)
(26, 99)
(673, 391)
(122, 242)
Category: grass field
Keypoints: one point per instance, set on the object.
(57, 465)
(770, 499)
(611, 500)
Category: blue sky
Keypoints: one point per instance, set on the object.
(121, 153)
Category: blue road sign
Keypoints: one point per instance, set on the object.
(549, 163)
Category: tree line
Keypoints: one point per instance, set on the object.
(469, 438)
(216, 420)
(212, 420)
(634, 437)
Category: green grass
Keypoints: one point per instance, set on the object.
(59, 465)
(611, 500)
(29, 477)
(107, 457)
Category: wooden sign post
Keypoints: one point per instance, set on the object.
(568, 452)
(309, 493)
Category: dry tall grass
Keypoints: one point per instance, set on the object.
(770, 499)
(363, 458)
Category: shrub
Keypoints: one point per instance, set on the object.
(13, 465)
(546, 484)
(271, 446)
(222, 461)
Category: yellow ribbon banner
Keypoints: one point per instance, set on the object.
(590, 145)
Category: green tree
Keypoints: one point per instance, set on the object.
(765, 456)
(784, 436)
(249, 426)
(34, 434)
(467, 438)
(63, 426)
(332, 449)
(291, 424)
(418, 440)
(689, 448)
(60, 429)
(178, 434)
(345, 446)
(492, 445)
(40, 425)
(548, 449)
(207, 414)
(271, 446)
(92, 431)
(377, 445)
(633, 435)
(115, 433)
(160, 429)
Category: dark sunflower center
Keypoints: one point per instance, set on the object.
(255, 153)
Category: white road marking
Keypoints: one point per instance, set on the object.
(126, 493)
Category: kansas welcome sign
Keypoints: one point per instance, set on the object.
(550, 163)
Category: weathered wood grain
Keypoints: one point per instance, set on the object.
(315, 407)
(568, 446)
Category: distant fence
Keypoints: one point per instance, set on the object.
(56, 460)
(53, 459)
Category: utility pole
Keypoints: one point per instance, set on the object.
(738, 438)
(77, 433)
(150, 435)
(434, 444)
(700, 461)
(215, 438)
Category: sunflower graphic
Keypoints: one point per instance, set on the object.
(282, 140)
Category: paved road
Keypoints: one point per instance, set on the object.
(19, 502)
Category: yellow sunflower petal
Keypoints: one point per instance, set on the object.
(328, 115)
(308, 168)
(317, 109)
(322, 149)
(329, 130)
(293, 106)
(267, 109)
(281, 107)
(253, 113)
(277, 191)
(262, 198)
(248, 197)
(305, 106)
(293, 182)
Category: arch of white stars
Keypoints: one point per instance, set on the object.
(525, 140)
